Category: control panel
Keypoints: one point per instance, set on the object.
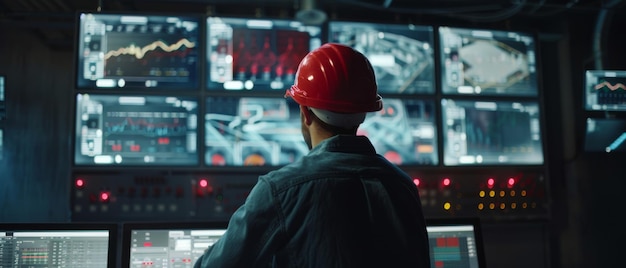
(505, 194)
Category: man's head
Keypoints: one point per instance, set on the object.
(335, 84)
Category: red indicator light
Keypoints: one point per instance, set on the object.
(104, 196)
(147, 244)
(204, 183)
(80, 182)
(511, 182)
(164, 140)
(416, 181)
(135, 148)
(446, 182)
(491, 182)
(116, 147)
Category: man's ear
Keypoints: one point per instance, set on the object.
(306, 115)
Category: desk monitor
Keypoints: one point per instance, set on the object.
(456, 243)
(49, 245)
(167, 244)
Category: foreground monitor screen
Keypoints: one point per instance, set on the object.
(605, 90)
(491, 133)
(265, 131)
(51, 245)
(605, 135)
(487, 62)
(166, 244)
(256, 54)
(138, 51)
(136, 130)
(456, 242)
(402, 55)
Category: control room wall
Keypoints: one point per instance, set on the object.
(34, 170)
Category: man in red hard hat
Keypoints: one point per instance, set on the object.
(341, 205)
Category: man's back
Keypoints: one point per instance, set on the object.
(345, 206)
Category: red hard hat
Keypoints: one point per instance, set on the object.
(336, 78)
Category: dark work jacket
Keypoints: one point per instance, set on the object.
(342, 205)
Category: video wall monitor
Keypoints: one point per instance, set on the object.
(266, 131)
(404, 131)
(136, 130)
(605, 135)
(256, 54)
(605, 90)
(138, 51)
(487, 62)
(252, 131)
(491, 133)
(401, 54)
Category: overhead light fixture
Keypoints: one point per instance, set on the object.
(309, 14)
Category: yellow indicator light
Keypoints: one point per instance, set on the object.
(481, 206)
(492, 206)
(446, 206)
(492, 193)
(481, 193)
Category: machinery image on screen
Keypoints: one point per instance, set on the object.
(166, 246)
(401, 55)
(136, 130)
(135, 51)
(256, 54)
(26, 245)
(265, 131)
(605, 135)
(605, 90)
(487, 62)
(491, 133)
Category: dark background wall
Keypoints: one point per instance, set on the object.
(586, 189)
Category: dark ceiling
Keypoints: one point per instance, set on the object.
(54, 20)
